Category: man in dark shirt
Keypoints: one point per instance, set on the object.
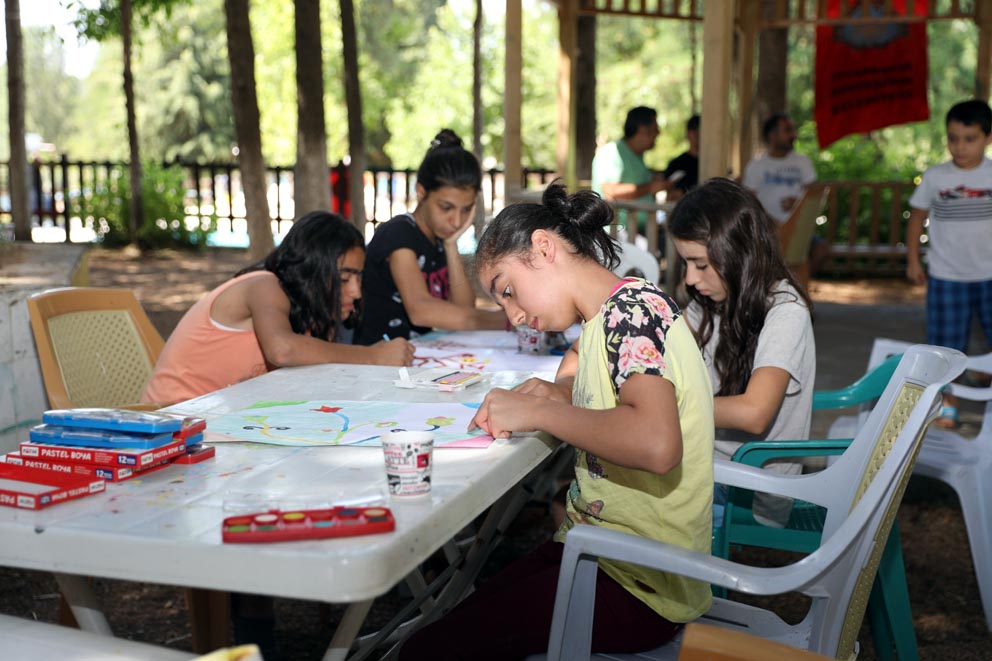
(687, 162)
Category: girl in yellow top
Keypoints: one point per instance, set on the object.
(633, 397)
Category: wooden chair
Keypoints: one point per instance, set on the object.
(796, 233)
(97, 348)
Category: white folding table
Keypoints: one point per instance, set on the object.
(165, 527)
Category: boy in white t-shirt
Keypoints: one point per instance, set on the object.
(957, 197)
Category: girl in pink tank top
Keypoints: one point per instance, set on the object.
(285, 310)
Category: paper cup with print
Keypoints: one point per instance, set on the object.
(409, 459)
(530, 340)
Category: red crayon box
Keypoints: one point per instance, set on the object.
(33, 489)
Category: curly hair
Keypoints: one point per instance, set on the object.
(306, 264)
(742, 246)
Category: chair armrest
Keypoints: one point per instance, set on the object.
(810, 487)
(865, 389)
(970, 392)
(625, 547)
(756, 453)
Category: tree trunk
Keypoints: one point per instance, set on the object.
(480, 206)
(241, 53)
(770, 95)
(585, 118)
(356, 131)
(18, 172)
(137, 207)
(311, 179)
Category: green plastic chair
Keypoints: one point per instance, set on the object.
(888, 606)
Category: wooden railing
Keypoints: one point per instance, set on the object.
(59, 190)
(865, 223)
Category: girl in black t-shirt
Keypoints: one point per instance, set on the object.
(409, 284)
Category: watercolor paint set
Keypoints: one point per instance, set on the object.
(442, 379)
(285, 526)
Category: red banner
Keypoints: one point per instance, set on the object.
(870, 75)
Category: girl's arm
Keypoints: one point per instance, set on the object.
(561, 389)
(268, 307)
(425, 310)
(642, 432)
(755, 410)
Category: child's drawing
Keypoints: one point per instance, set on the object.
(346, 423)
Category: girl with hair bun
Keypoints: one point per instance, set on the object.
(751, 318)
(632, 396)
(411, 285)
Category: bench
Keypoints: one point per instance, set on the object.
(874, 259)
(21, 638)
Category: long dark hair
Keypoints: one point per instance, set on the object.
(447, 163)
(742, 246)
(578, 218)
(306, 263)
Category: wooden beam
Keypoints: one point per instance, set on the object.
(715, 127)
(750, 18)
(512, 102)
(983, 72)
(568, 53)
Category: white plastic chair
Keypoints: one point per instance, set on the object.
(861, 492)
(637, 262)
(964, 464)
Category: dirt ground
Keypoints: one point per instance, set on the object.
(947, 612)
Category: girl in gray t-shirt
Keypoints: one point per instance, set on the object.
(751, 318)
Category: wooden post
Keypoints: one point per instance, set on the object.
(983, 70)
(568, 51)
(715, 136)
(511, 101)
(749, 27)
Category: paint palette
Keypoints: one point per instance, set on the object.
(279, 526)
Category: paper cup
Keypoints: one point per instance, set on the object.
(409, 458)
(530, 340)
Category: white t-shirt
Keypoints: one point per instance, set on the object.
(773, 179)
(786, 341)
(960, 231)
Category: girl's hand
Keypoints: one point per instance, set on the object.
(504, 412)
(394, 352)
(915, 272)
(541, 388)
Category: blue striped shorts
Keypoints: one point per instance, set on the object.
(951, 307)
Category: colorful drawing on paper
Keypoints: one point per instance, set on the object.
(466, 353)
(340, 422)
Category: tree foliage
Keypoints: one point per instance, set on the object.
(416, 78)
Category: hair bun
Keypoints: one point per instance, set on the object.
(446, 138)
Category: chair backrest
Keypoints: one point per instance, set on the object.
(96, 346)
(871, 477)
(637, 262)
(796, 232)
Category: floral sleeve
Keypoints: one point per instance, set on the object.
(637, 318)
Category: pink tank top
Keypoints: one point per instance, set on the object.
(201, 357)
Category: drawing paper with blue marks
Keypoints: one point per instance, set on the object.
(340, 422)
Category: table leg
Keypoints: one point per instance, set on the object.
(84, 605)
(347, 630)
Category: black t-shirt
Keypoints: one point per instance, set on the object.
(689, 163)
(382, 309)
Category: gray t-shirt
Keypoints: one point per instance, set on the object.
(786, 341)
